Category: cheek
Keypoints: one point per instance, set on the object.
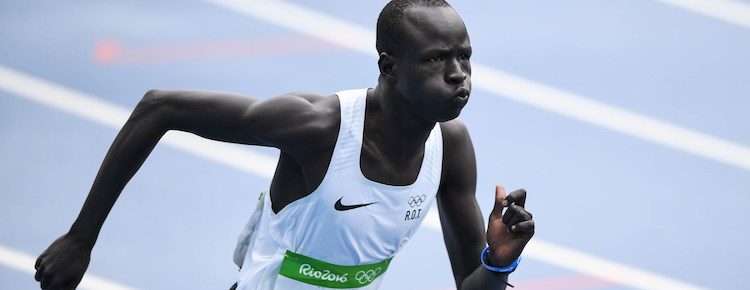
(431, 80)
(425, 85)
(430, 92)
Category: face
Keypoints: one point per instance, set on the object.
(432, 69)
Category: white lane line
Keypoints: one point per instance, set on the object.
(507, 85)
(23, 262)
(731, 11)
(90, 108)
(600, 268)
(581, 262)
(310, 22)
(611, 117)
(105, 113)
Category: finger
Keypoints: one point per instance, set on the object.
(500, 203)
(70, 286)
(46, 279)
(52, 283)
(526, 228)
(39, 273)
(515, 214)
(518, 197)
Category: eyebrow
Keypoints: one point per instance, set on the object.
(445, 50)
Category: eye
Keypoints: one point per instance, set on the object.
(437, 59)
(464, 57)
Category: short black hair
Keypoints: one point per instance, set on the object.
(391, 19)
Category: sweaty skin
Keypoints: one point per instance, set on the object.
(426, 83)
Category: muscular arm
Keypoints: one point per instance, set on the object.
(219, 116)
(461, 219)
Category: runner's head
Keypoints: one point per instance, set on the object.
(424, 57)
(390, 21)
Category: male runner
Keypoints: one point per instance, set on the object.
(356, 175)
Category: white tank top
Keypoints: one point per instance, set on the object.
(348, 220)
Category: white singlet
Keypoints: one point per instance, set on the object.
(348, 220)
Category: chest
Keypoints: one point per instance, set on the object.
(349, 216)
(297, 178)
(399, 171)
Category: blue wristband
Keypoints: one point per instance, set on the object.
(496, 269)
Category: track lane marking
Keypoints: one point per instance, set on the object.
(25, 263)
(111, 115)
(730, 11)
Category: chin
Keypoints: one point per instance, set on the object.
(449, 117)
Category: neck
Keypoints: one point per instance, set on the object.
(392, 129)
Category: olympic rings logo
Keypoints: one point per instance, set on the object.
(365, 277)
(417, 200)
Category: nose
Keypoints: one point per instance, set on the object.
(455, 72)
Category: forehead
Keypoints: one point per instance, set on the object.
(434, 27)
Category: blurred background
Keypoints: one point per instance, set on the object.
(626, 121)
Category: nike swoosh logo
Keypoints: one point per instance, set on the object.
(340, 207)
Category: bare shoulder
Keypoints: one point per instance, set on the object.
(299, 121)
(455, 136)
(312, 110)
(459, 162)
(308, 97)
(303, 102)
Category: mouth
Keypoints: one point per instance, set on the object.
(460, 97)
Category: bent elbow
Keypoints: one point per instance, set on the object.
(151, 106)
(152, 99)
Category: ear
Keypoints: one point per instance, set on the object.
(386, 62)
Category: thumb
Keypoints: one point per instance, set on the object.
(500, 203)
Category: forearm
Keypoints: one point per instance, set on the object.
(131, 147)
